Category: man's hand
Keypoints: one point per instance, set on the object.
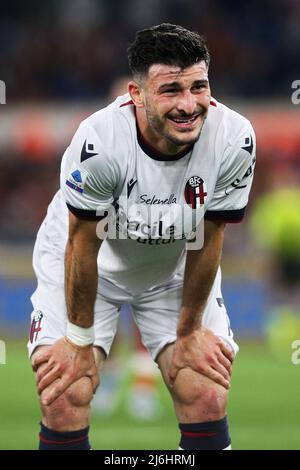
(68, 363)
(203, 352)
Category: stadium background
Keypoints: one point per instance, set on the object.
(62, 60)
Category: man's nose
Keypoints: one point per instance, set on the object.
(187, 103)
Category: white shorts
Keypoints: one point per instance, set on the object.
(155, 310)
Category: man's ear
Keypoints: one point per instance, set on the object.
(136, 94)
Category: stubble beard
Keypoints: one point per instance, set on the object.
(157, 125)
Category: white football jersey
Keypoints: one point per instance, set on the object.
(155, 201)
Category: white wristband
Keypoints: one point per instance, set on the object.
(80, 336)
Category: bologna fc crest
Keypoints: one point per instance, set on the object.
(195, 192)
(36, 326)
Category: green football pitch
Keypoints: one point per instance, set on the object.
(264, 407)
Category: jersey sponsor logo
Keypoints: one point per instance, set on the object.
(36, 326)
(145, 199)
(130, 185)
(153, 224)
(195, 192)
(87, 151)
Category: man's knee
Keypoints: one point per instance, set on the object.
(195, 394)
(80, 393)
(71, 409)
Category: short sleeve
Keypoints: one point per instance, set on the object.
(88, 175)
(235, 178)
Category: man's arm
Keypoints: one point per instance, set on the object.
(81, 274)
(67, 359)
(200, 271)
(197, 347)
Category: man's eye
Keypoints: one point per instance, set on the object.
(200, 87)
(170, 91)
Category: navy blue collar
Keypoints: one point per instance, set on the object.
(155, 154)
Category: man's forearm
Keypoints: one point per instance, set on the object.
(200, 272)
(81, 280)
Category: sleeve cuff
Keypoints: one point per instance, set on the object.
(229, 216)
(85, 214)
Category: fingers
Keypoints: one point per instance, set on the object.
(40, 358)
(56, 390)
(95, 381)
(48, 378)
(93, 375)
(214, 370)
(222, 370)
(216, 376)
(220, 364)
(43, 370)
(225, 363)
(226, 351)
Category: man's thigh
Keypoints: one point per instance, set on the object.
(156, 313)
(49, 317)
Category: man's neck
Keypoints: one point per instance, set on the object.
(154, 140)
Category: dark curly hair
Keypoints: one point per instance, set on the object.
(166, 44)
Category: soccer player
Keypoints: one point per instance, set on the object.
(148, 167)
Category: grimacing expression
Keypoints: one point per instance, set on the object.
(177, 101)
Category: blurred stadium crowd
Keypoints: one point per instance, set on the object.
(73, 50)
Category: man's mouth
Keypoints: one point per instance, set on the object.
(184, 121)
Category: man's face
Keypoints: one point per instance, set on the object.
(176, 103)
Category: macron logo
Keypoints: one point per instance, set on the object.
(130, 186)
(87, 151)
(248, 144)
